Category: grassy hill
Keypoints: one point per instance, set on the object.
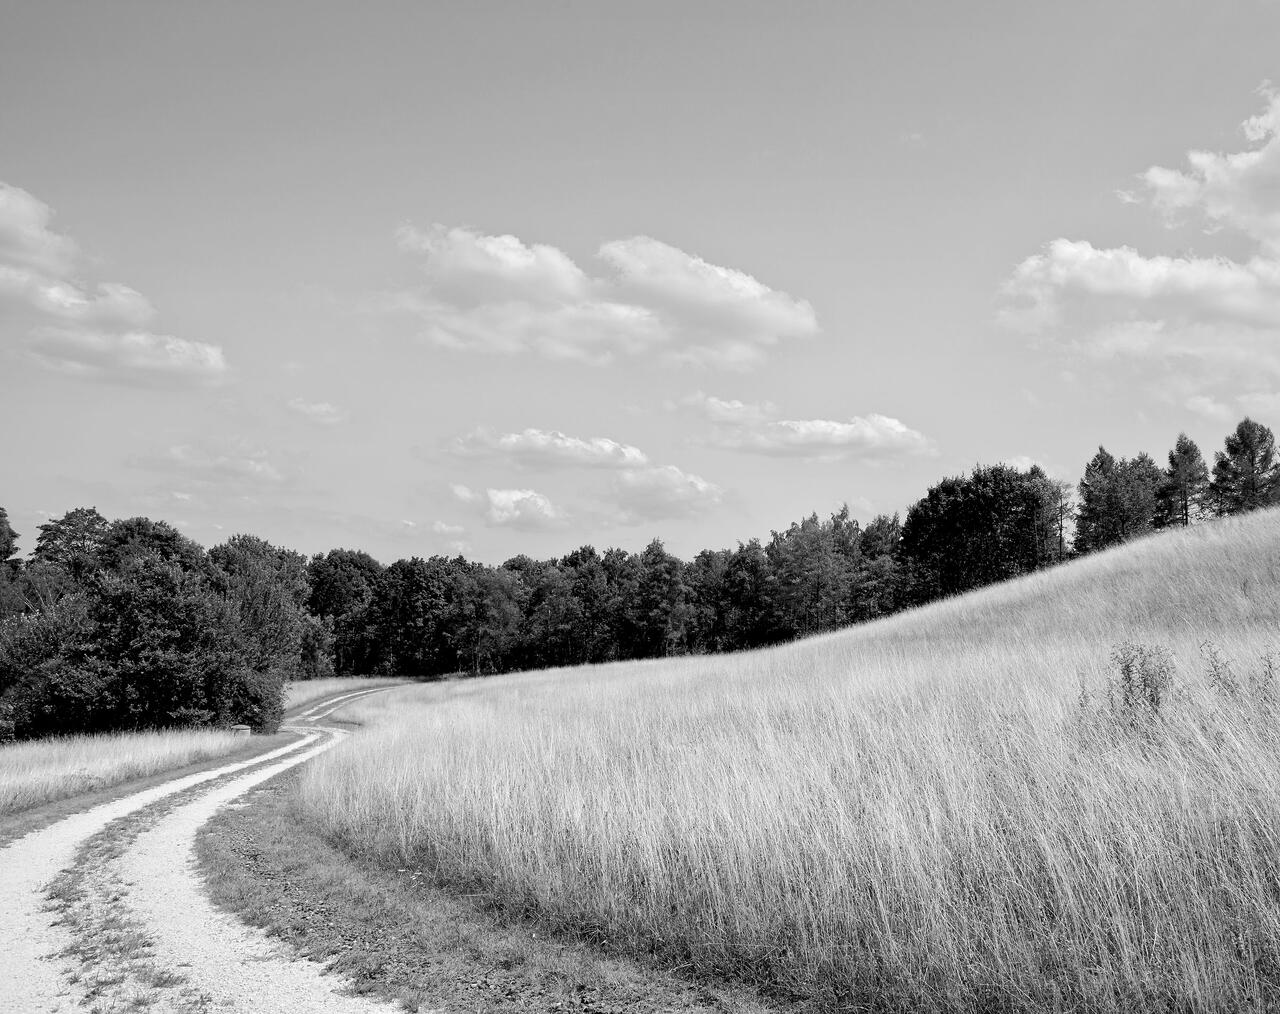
(1059, 793)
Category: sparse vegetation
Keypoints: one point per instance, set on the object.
(906, 815)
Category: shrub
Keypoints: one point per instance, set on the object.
(1142, 684)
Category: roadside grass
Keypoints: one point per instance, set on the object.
(1052, 794)
(300, 692)
(43, 771)
(22, 822)
(38, 773)
(430, 949)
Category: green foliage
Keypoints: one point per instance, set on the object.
(1182, 496)
(131, 625)
(42, 678)
(1246, 474)
(163, 643)
(8, 539)
(315, 659)
(267, 588)
(72, 542)
(1118, 500)
(969, 531)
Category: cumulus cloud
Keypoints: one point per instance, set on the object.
(501, 294)
(444, 528)
(1211, 320)
(662, 493)
(319, 411)
(93, 330)
(754, 427)
(1237, 190)
(521, 509)
(535, 448)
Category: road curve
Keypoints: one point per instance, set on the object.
(217, 962)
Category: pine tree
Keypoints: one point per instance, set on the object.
(1182, 495)
(1246, 475)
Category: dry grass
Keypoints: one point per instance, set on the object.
(46, 770)
(305, 691)
(918, 814)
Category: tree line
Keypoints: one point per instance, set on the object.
(129, 624)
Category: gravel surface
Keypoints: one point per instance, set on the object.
(214, 953)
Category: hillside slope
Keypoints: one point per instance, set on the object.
(965, 807)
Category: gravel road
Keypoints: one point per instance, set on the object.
(210, 960)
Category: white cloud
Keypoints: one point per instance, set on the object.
(1210, 408)
(724, 316)
(521, 509)
(26, 241)
(1212, 321)
(223, 468)
(662, 493)
(130, 356)
(444, 528)
(469, 268)
(1239, 190)
(409, 524)
(89, 330)
(501, 294)
(754, 427)
(319, 411)
(534, 448)
(722, 410)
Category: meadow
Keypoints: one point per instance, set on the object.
(302, 692)
(989, 803)
(43, 771)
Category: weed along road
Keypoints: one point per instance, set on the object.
(104, 910)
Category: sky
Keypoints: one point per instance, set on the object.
(501, 278)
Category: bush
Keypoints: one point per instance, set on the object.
(1142, 684)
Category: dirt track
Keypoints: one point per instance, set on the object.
(137, 927)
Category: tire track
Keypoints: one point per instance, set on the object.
(37, 976)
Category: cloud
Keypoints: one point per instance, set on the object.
(444, 528)
(94, 331)
(234, 468)
(721, 410)
(129, 356)
(520, 509)
(753, 427)
(534, 448)
(662, 493)
(1240, 190)
(1210, 320)
(319, 411)
(26, 240)
(1210, 408)
(503, 295)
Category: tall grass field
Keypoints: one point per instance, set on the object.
(300, 692)
(1062, 793)
(43, 771)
